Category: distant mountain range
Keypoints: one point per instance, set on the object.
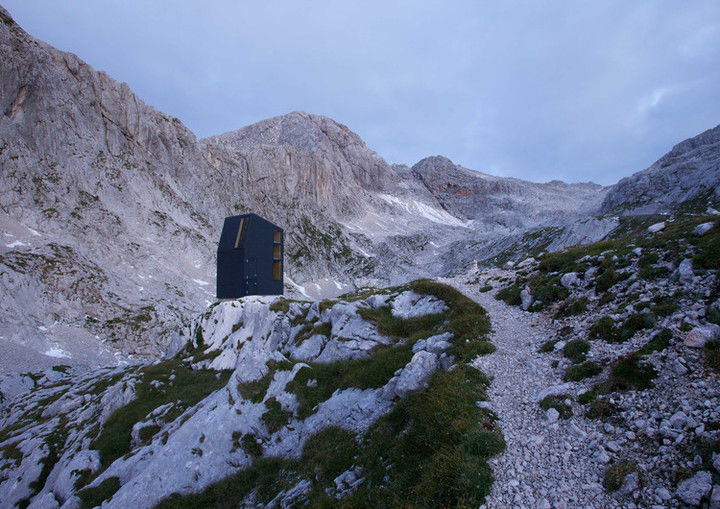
(110, 210)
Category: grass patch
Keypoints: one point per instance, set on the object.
(548, 346)
(280, 306)
(615, 474)
(275, 417)
(510, 294)
(600, 408)
(94, 496)
(367, 373)
(572, 307)
(187, 388)
(606, 329)
(576, 349)
(707, 249)
(663, 305)
(558, 403)
(603, 328)
(658, 343)
(250, 445)
(581, 371)
(147, 433)
(629, 373)
(586, 397)
(712, 355)
(485, 288)
(650, 273)
(389, 325)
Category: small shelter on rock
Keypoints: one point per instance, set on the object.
(249, 257)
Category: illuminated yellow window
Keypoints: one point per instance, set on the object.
(277, 270)
(241, 233)
(277, 237)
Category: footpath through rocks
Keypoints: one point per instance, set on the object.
(549, 462)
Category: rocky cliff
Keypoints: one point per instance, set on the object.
(110, 209)
(688, 176)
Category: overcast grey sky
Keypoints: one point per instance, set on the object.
(536, 90)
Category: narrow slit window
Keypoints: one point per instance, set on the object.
(277, 270)
(277, 237)
(277, 252)
(241, 233)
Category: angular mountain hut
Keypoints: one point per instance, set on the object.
(249, 258)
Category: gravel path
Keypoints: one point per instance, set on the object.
(546, 464)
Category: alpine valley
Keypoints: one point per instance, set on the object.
(123, 383)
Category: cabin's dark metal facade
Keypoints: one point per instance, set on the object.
(249, 257)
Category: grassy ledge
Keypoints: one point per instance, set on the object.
(430, 450)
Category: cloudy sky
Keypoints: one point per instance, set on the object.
(537, 90)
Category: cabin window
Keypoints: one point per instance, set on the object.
(277, 252)
(241, 232)
(277, 237)
(277, 270)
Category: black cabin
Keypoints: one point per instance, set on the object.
(249, 258)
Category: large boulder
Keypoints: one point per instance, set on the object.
(685, 271)
(656, 227)
(697, 337)
(703, 228)
(693, 490)
(526, 298)
(570, 280)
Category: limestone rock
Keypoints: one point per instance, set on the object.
(703, 228)
(526, 298)
(654, 228)
(700, 335)
(570, 280)
(691, 491)
(685, 271)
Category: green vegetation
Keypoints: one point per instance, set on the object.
(280, 306)
(576, 349)
(600, 408)
(367, 373)
(586, 397)
(572, 307)
(606, 329)
(548, 346)
(187, 388)
(615, 474)
(94, 496)
(558, 403)
(707, 249)
(629, 373)
(658, 343)
(415, 328)
(429, 451)
(510, 294)
(250, 445)
(581, 371)
(275, 417)
(712, 355)
(485, 288)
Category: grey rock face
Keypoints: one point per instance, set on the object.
(243, 337)
(689, 172)
(703, 228)
(700, 335)
(685, 271)
(112, 208)
(526, 298)
(691, 491)
(570, 280)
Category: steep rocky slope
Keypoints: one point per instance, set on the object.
(688, 176)
(110, 210)
(272, 402)
(634, 347)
